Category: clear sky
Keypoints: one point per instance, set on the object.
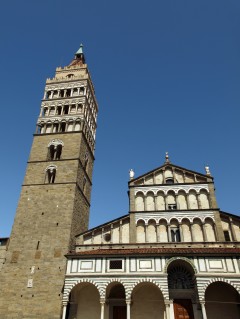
(167, 78)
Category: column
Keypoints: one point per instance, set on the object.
(64, 93)
(146, 233)
(145, 200)
(234, 237)
(155, 201)
(204, 232)
(169, 233)
(128, 302)
(204, 314)
(181, 232)
(158, 232)
(171, 310)
(102, 302)
(167, 311)
(51, 95)
(64, 311)
(191, 232)
(199, 201)
(215, 232)
(120, 231)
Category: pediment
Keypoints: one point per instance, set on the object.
(170, 174)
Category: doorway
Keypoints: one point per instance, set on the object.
(119, 312)
(183, 309)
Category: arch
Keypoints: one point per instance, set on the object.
(197, 230)
(186, 228)
(55, 149)
(182, 199)
(171, 200)
(50, 174)
(150, 205)
(209, 227)
(84, 301)
(141, 236)
(160, 201)
(174, 259)
(71, 286)
(222, 300)
(203, 197)
(219, 279)
(146, 280)
(139, 202)
(151, 231)
(192, 199)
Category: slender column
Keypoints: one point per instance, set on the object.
(169, 233)
(145, 202)
(64, 311)
(111, 233)
(65, 92)
(146, 233)
(158, 232)
(203, 310)
(181, 232)
(155, 202)
(58, 93)
(102, 302)
(51, 96)
(215, 232)
(167, 311)
(188, 202)
(128, 302)
(204, 232)
(171, 310)
(199, 201)
(120, 231)
(177, 204)
(191, 231)
(234, 237)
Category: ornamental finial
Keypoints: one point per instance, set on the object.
(131, 173)
(167, 158)
(207, 170)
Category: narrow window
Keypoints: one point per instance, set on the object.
(66, 109)
(63, 127)
(51, 152)
(68, 93)
(59, 110)
(175, 235)
(51, 174)
(58, 151)
(226, 235)
(62, 93)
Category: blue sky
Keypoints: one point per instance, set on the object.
(167, 77)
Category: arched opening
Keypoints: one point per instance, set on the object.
(152, 231)
(175, 236)
(182, 288)
(163, 235)
(84, 302)
(209, 227)
(160, 201)
(50, 174)
(147, 302)
(171, 201)
(116, 300)
(150, 201)
(222, 301)
(141, 237)
(139, 202)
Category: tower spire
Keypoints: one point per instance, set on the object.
(167, 158)
(79, 55)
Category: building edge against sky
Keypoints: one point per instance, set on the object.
(55, 197)
(174, 245)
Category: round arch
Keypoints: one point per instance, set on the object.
(173, 259)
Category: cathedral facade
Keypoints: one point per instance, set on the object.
(175, 255)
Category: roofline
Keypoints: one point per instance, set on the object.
(170, 164)
(229, 214)
(102, 225)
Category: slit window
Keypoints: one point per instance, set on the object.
(227, 235)
(175, 235)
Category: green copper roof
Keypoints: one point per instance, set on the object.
(80, 50)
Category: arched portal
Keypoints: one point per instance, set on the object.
(182, 289)
(222, 301)
(147, 302)
(116, 301)
(84, 302)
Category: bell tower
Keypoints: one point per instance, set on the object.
(55, 196)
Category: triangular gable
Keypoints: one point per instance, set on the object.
(180, 175)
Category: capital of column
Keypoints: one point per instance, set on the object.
(128, 301)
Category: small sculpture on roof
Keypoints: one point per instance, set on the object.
(131, 173)
(167, 158)
(207, 170)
